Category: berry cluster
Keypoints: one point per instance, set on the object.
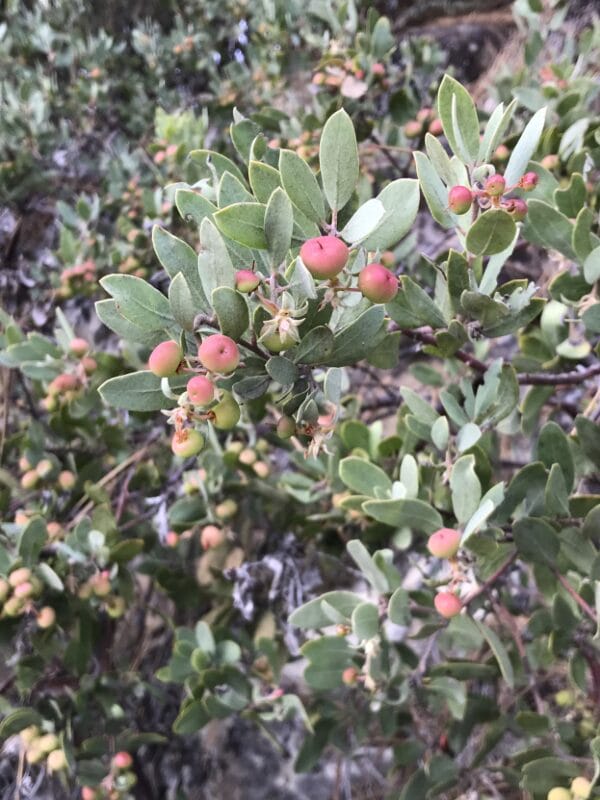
(18, 594)
(445, 543)
(43, 747)
(581, 789)
(491, 194)
(63, 389)
(118, 782)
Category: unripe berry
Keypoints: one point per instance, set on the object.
(550, 162)
(165, 359)
(34, 753)
(247, 457)
(78, 347)
(558, 793)
(226, 414)
(54, 529)
(324, 256)
(501, 153)
(423, 114)
(48, 742)
(4, 590)
(460, 199)
(412, 129)
(211, 536)
(44, 467)
(219, 353)
(495, 185)
(63, 383)
(13, 607)
(529, 181)
(46, 617)
(100, 585)
(226, 510)
(66, 480)
(378, 70)
(200, 390)
(30, 479)
(187, 442)
(444, 543)
(246, 281)
(581, 788)
(286, 427)
(115, 606)
(89, 364)
(24, 464)
(28, 735)
(275, 344)
(447, 604)
(377, 283)
(349, 676)
(122, 760)
(435, 127)
(517, 208)
(19, 576)
(87, 793)
(56, 761)
(261, 469)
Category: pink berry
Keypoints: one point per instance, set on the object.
(378, 69)
(200, 390)
(377, 283)
(413, 129)
(46, 617)
(187, 442)
(165, 359)
(30, 479)
(444, 543)
(172, 539)
(89, 364)
(529, 181)
(495, 186)
(435, 127)
(349, 676)
(63, 383)
(219, 353)
(246, 280)
(122, 760)
(447, 604)
(460, 199)
(324, 256)
(66, 480)
(87, 793)
(517, 208)
(211, 536)
(78, 347)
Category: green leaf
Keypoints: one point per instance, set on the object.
(553, 448)
(178, 257)
(139, 302)
(18, 720)
(434, 191)
(399, 607)
(231, 310)
(353, 343)
(536, 541)
(525, 148)
(419, 407)
(462, 132)
(231, 190)
(282, 370)
(591, 266)
(582, 238)
(363, 222)
(243, 134)
(193, 206)
(591, 318)
(495, 130)
(217, 162)
(243, 223)
(465, 487)
(499, 652)
(214, 263)
(316, 347)
(311, 616)
(556, 495)
(571, 199)
(588, 433)
(108, 314)
(139, 391)
(50, 577)
(31, 541)
(400, 199)
(547, 227)
(412, 307)
(338, 159)
(301, 185)
(491, 233)
(279, 223)
(182, 304)
(124, 551)
(365, 563)
(363, 477)
(191, 718)
(264, 179)
(414, 514)
(365, 621)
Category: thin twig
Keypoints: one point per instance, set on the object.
(491, 580)
(576, 596)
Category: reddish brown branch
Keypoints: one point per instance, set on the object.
(491, 580)
(585, 607)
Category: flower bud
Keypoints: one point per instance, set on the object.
(529, 181)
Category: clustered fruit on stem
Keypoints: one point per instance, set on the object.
(581, 789)
(445, 543)
(492, 194)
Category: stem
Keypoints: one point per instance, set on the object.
(492, 579)
(576, 596)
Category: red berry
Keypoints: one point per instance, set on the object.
(495, 186)
(447, 604)
(460, 199)
(324, 256)
(211, 536)
(122, 760)
(172, 539)
(444, 543)
(246, 280)
(187, 442)
(377, 283)
(165, 359)
(378, 70)
(529, 181)
(200, 390)
(219, 353)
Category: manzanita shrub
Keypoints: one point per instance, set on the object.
(453, 624)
